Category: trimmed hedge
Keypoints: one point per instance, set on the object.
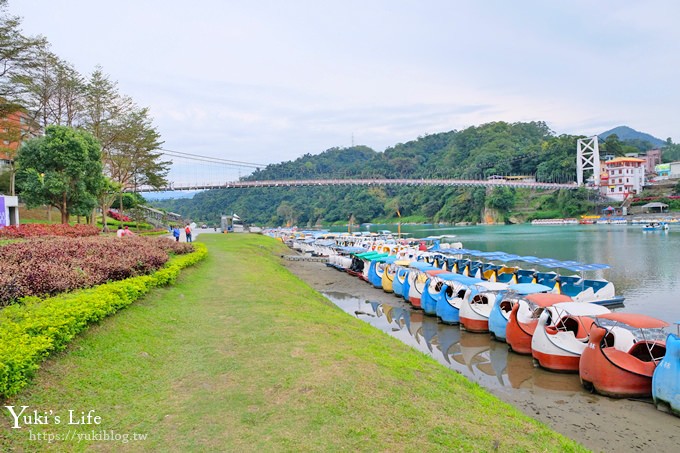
(30, 331)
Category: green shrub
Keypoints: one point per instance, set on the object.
(30, 331)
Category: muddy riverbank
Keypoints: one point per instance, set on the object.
(599, 423)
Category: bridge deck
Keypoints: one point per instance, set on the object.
(367, 182)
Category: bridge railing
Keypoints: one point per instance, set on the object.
(366, 182)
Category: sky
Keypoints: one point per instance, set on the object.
(269, 81)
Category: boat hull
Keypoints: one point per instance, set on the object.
(666, 379)
(518, 335)
(612, 372)
(556, 362)
(447, 312)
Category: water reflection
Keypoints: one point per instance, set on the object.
(644, 266)
(476, 356)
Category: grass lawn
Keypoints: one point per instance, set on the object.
(240, 355)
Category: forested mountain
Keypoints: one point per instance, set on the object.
(497, 148)
(632, 137)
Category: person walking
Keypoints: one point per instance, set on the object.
(175, 233)
(187, 231)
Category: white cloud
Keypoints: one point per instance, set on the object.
(269, 81)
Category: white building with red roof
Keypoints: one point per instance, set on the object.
(623, 176)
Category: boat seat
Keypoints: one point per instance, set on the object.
(619, 338)
(505, 275)
(629, 363)
(525, 275)
(648, 351)
(596, 285)
(506, 306)
(570, 289)
(547, 279)
(488, 274)
(579, 327)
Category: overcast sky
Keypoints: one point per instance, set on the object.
(269, 81)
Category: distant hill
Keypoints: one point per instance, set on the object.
(626, 133)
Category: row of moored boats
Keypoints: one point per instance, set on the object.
(563, 321)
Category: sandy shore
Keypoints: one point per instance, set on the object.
(599, 423)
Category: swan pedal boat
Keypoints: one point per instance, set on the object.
(475, 310)
(417, 278)
(524, 319)
(622, 354)
(500, 312)
(455, 289)
(562, 334)
(666, 378)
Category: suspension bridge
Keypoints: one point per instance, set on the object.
(200, 169)
(367, 182)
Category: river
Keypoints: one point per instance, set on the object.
(643, 269)
(644, 265)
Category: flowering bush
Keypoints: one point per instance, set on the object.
(29, 230)
(42, 267)
(118, 216)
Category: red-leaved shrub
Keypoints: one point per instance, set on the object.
(118, 216)
(48, 266)
(29, 230)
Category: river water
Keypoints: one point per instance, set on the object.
(644, 269)
(644, 265)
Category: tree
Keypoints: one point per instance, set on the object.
(52, 90)
(10, 137)
(613, 145)
(108, 192)
(62, 169)
(103, 109)
(670, 151)
(17, 55)
(287, 213)
(132, 159)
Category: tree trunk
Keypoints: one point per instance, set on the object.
(105, 226)
(12, 180)
(64, 210)
(120, 204)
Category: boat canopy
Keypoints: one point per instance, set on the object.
(453, 277)
(436, 271)
(581, 308)
(546, 262)
(492, 286)
(422, 266)
(354, 250)
(528, 288)
(385, 259)
(635, 320)
(547, 299)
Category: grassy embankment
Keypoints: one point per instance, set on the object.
(240, 355)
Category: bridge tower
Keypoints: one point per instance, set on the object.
(588, 158)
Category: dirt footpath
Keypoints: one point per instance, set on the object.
(599, 423)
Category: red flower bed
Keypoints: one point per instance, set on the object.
(30, 230)
(45, 267)
(117, 216)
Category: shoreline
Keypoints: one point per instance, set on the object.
(597, 422)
